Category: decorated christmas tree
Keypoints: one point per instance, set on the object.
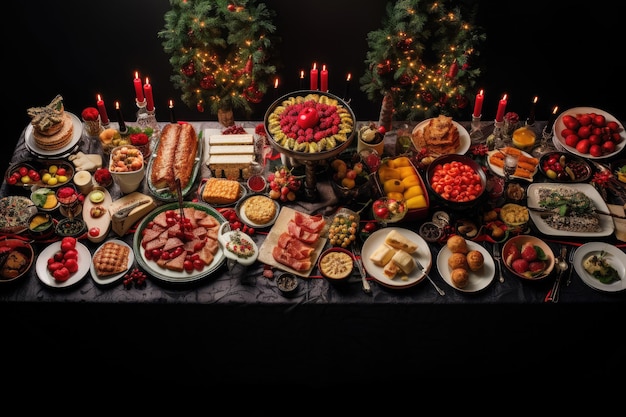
(422, 59)
(220, 52)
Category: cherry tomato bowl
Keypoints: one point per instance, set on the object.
(456, 181)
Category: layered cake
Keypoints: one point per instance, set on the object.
(52, 127)
(230, 156)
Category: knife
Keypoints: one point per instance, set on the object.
(359, 263)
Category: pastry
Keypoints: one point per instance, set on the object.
(221, 191)
(111, 259)
(14, 265)
(458, 260)
(52, 127)
(404, 261)
(457, 244)
(459, 277)
(397, 240)
(382, 255)
(475, 260)
(175, 156)
(391, 269)
(440, 136)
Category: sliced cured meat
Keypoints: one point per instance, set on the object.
(155, 243)
(200, 232)
(295, 247)
(207, 221)
(177, 264)
(206, 254)
(174, 230)
(283, 257)
(161, 219)
(300, 233)
(313, 224)
(172, 243)
(190, 245)
(150, 234)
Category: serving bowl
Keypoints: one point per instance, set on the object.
(351, 179)
(127, 171)
(45, 173)
(445, 180)
(17, 258)
(517, 247)
(40, 225)
(564, 167)
(336, 264)
(287, 283)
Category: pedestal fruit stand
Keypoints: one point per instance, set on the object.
(309, 126)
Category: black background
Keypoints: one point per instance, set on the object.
(568, 56)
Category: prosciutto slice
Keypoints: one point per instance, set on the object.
(295, 247)
(301, 233)
(312, 224)
(281, 255)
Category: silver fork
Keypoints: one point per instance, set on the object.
(571, 265)
(359, 263)
(495, 250)
(420, 266)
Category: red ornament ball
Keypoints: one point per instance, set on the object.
(189, 69)
(208, 82)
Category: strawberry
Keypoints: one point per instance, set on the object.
(512, 255)
(536, 267)
(528, 251)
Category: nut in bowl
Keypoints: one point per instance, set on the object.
(528, 257)
(127, 167)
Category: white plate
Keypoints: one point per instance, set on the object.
(76, 135)
(559, 126)
(478, 280)
(464, 137)
(422, 254)
(111, 279)
(606, 222)
(165, 274)
(242, 213)
(616, 258)
(500, 172)
(84, 261)
(103, 222)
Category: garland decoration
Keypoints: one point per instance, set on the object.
(220, 52)
(422, 57)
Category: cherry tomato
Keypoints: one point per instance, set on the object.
(94, 231)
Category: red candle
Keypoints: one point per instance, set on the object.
(314, 77)
(478, 104)
(324, 79)
(501, 108)
(103, 111)
(147, 88)
(138, 88)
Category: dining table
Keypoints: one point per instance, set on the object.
(235, 325)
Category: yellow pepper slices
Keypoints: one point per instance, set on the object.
(416, 202)
(410, 181)
(386, 173)
(413, 191)
(393, 185)
(401, 161)
(395, 195)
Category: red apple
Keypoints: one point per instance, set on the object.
(608, 146)
(571, 140)
(583, 146)
(308, 117)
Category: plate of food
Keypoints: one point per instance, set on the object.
(177, 156)
(96, 214)
(83, 258)
(387, 247)
(574, 129)
(601, 265)
(35, 149)
(200, 237)
(478, 279)
(257, 210)
(304, 232)
(221, 192)
(579, 202)
(441, 136)
(527, 165)
(111, 261)
(15, 213)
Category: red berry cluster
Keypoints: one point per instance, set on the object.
(283, 184)
(234, 130)
(235, 223)
(136, 276)
(328, 122)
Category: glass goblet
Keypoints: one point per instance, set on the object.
(510, 165)
(388, 210)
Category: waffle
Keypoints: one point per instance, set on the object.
(111, 259)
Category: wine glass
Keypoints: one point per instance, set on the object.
(388, 210)
(546, 144)
(510, 165)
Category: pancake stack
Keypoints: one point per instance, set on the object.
(52, 127)
(440, 136)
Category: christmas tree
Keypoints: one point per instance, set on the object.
(422, 58)
(220, 52)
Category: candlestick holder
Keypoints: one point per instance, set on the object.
(546, 145)
(476, 134)
(146, 118)
(496, 139)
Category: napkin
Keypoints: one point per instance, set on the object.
(620, 224)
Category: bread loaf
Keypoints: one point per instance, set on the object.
(186, 150)
(397, 240)
(175, 156)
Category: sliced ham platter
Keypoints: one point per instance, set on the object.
(295, 242)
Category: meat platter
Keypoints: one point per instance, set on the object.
(289, 223)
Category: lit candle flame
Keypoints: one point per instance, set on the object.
(99, 98)
(276, 83)
(117, 105)
(301, 73)
(171, 103)
(349, 77)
